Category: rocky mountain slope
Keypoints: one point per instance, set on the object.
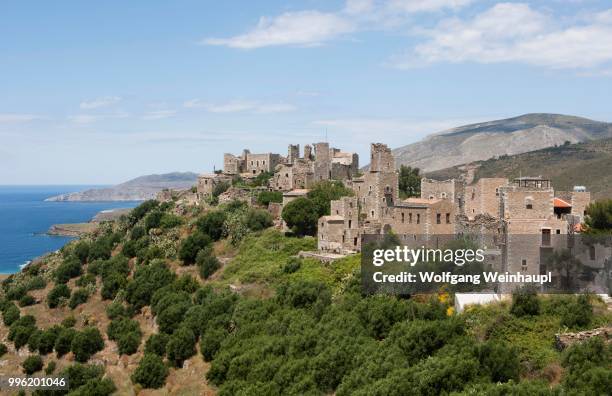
(138, 189)
(587, 164)
(510, 136)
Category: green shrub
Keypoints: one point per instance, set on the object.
(32, 364)
(146, 281)
(15, 292)
(70, 268)
(151, 372)
(259, 219)
(81, 251)
(141, 210)
(192, 245)
(499, 361)
(69, 321)
(577, 313)
(525, 302)
(10, 314)
(323, 192)
(265, 197)
(152, 220)
(47, 339)
(211, 342)
(85, 343)
(170, 221)
(36, 283)
(181, 346)
(63, 342)
(211, 224)
(292, 265)
(207, 263)
(128, 343)
(27, 300)
(170, 318)
(137, 233)
(112, 284)
(50, 367)
(79, 296)
(156, 344)
(116, 310)
(56, 295)
(86, 280)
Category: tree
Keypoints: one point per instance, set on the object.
(56, 294)
(322, 193)
(86, 343)
(409, 182)
(181, 346)
(192, 245)
(599, 216)
(301, 216)
(146, 281)
(156, 344)
(525, 302)
(116, 310)
(126, 332)
(153, 220)
(26, 300)
(151, 372)
(32, 364)
(10, 314)
(79, 296)
(211, 224)
(170, 318)
(141, 210)
(70, 268)
(169, 220)
(63, 342)
(112, 284)
(211, 342)
(207, 263)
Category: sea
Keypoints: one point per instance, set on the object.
(25, 218)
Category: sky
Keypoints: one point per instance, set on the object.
(101, 92)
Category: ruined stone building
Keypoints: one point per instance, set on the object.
(207, 183)
(249, 164)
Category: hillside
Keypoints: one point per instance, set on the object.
(138, 189)
(510, 136)
(583, 164)
(157, 303)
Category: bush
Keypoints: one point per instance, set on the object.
(301, 216)
(141, 210)
(152, 220)
(265, 197)
(207, 263)
(181, 346)
(322, 193)
(211, 342)
(100, 249)
(578, 313)
(15, 292)
(192, 245)
(112, 284)
(10, 314)
(69, 321)
(525, 302)
(499, 361)
(32, 364)
(47, 339)
(292, 265)
(170, 318)
(128, 343)
(116, 310)
(259, 219)
(126, 332)
(86, 343)
(70, 268)
(170, 221)
(86, 280)
(81, 251)
(156, 344)
(36, 283)
(146, 281)
(26, 301)
(79, 296)
(50, 367)
(56, 294)
(211, 224)
(137, 233)
(97, 387)
(63, 342)
(151, 372)
(3, 349)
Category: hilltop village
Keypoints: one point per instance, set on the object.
(493, 208)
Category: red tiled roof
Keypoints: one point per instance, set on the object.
(559, 203)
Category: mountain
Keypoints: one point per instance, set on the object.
(510, 136)
(138, 189)
(586, 164)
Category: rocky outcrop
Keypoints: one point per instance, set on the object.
(565, 340)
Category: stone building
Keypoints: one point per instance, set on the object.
(248, 163)
(483, 197)
(207, 183)
(451, 189)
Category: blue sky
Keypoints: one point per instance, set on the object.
(100, 92)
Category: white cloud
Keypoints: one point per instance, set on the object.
(17, 118)
(416, 6)
(302, 28)
(84, 119)
(159, 114)
(514, 32)
(100, 102)
(241, 107)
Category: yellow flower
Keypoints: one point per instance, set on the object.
(450, 311)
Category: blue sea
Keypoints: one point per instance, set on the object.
(25, 217)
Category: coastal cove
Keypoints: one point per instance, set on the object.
(25, 219)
